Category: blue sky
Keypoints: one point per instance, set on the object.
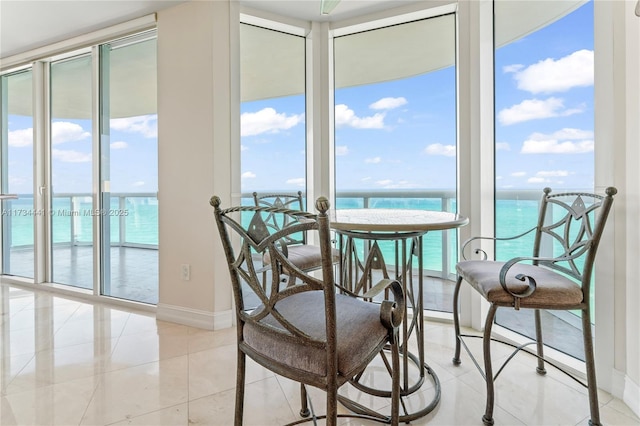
(401, 134)
(133, 150)
(394, 135)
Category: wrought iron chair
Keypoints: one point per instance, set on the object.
(305, 256)
(312, 332)
(556, 277)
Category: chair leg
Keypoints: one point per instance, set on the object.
(395, 384)
(332, 404)
(456, 321)
(539, 344)
(240, 388)
(487, 419)
(591, 368)
(304, 402)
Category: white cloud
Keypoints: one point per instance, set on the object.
(347, 117)
(552, 173)
(366, 179)
(503, 146)
(390, 184)
(70, 156)
(512, 68)
(296, 181)
(21, 138)
(138, 183)
(549, 75)
(440, 149)
(388, 103)
(244, 148)
(342, 150)
(267, 120)
(534, 109)
(248, 175)
(573, 134)
(518, 174)
(374, 160)
(119, 145)
(64, 131)
(146, 125)
(564, 141)
(537, 179)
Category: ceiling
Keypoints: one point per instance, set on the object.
(26, 25)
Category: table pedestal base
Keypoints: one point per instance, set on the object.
(406, 416)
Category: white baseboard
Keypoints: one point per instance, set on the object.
(194, 317)
(626, 390)
(632, 396)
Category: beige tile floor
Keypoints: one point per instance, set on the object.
(67, 362)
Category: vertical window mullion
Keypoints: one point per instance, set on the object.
(98, 90)
(42, 171)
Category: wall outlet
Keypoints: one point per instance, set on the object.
(186, 272)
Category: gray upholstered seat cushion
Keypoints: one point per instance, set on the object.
(553, 289)
(305, 256)
(359, 332)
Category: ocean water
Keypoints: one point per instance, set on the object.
(136, 217)
(513, 217)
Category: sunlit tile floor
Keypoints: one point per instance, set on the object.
(67, 362)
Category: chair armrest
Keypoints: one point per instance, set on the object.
(532, 285)
(391, 311)
(484, 254)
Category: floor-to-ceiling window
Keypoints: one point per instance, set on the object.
(71, 171)
(129, 168)
(544, 128)
(16, 158)
(395, 129)
(98, 99)
(273, 135)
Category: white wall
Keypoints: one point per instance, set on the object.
(617, 136)
(194, 128)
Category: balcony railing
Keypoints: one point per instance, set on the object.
(134, 218)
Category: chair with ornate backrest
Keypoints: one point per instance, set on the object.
(305, 256)
(557, 276)
(312, 331)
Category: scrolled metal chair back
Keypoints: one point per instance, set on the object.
(569, 229)
(275, 221)
(246, 228)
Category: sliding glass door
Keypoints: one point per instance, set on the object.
(96, 170)
(16, 156)
(129, 169)
(71, 173)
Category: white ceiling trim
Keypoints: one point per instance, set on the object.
(95, 37)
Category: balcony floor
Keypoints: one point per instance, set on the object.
(134, 271)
